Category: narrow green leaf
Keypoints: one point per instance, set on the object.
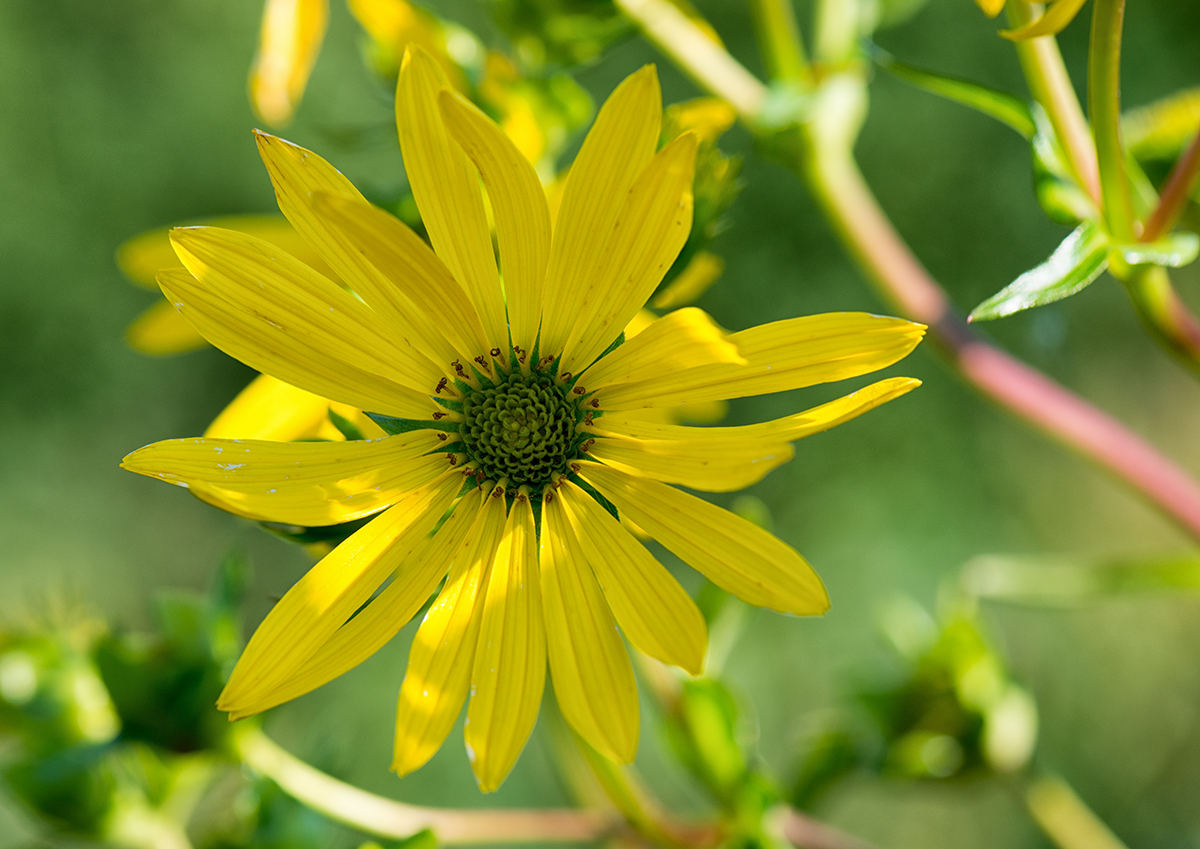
(1174, 251)
(1004, 107)
(1073, 265)
(1062, 198)
(1059, 581)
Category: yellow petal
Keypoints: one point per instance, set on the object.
(649, 232)
(510, 659)
(620, 144)
(679, 340)
(321, 602)
(593, 679)
(707, 117)
(446, 188)
(519, 205)
(695, 279)
(142, 257)
(292, 31)
(788, 429)
(403, 256)
(1056, 17)
(162, 332)
(723, 465)
(273, 410)
(733, 553)
(280, 317)
(655, 613)
(299, 483)
(991, 8)
(443, 651)
(783, 355)
(412, 584)
(298, 175)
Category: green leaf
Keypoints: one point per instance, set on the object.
(1004, 107)
(1073, 265)
(346, 427)
(1174, 251)
(1062, 581)
(1160, 129)
(1062, 198)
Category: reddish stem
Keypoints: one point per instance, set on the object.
(1031, 395)
(1175, 193)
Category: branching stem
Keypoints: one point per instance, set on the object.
(901, 280)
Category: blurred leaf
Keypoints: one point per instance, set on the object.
(1174, 251)
(1076, 262)
(890, 13)
(346, 427)
(1004, 107)
(1060, 196)
(835, 755)
(1052, 21)
(1060, 581)
(1160, 129)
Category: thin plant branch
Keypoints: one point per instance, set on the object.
(1050, 85)
(778, 32)
(388, 818)
(1065, 818)
(900, 278)
(1175, 193)
(1104, 106)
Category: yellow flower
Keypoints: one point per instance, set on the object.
(515, 419)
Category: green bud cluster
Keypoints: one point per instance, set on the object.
(522, 429)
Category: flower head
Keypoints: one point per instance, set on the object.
(516, 415)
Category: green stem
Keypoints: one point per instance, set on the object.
(779, 39)
(1065, 818)
(1050, 85)
(388, 818)
(828, 166)
(1104, 106)
(1163, 313)
(837, 32)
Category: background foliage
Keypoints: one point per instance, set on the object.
(128, 114)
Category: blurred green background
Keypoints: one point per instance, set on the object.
(122, 115)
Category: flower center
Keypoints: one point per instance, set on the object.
(521, 429)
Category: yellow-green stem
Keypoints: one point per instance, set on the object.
(1104, 107)
(1050, 85)
(389, 818)
(1163, 312)
(779, 40)
(1065, 818)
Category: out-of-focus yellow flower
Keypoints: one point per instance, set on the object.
(991, 8)
(276, 411)
(161, 330)
(291, 36)
(519, 390)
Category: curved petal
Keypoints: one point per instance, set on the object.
(320, 602)
(655, 613)
(733, 553)
(272, 410)
(276, 315)
(716, 466)
(402, 255)
(291, 36)
(518, 205)
(446, 188)
(783, 355)
(788, 429)
(162, 332)
(650, 230)
(443, 651)
(299, 483)
(298, 176)
(1053, 21)
(142, 257)
(682, 339)
(413, 582)
(510, 659)
(620, 144)
(593, 678)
